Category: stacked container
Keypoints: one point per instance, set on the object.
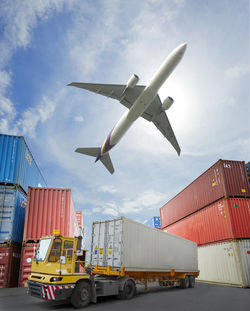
(214, 212)
(47, 209)
(154, 222)
(18, 170)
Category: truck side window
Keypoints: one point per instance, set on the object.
(68, 249)
(55, 252)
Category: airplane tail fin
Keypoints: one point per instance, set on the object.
(95, 152)
(106, 161)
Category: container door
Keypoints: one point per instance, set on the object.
(7, 213)
(117, 243)
(95, 244)
(101, 249)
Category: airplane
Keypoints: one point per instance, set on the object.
(141, 101)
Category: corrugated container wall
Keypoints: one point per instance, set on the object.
(9, 264)
(122, 242)
(154, 222)
(17, 165)
(27, 255)
(49, 209)
(12, 214)
(222, 180)
(223, 220)
(227, 262)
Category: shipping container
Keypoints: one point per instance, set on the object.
(27, 255)
(226, 262)
(222, 180)
(79, 218)
(223, 220)
(248, 170)
(9, 264)
(125, 243)
(154, 222)
(12, 214)
(49, 209)
(17, 165)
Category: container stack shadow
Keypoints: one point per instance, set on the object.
(214, 212)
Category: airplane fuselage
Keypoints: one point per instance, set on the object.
(143, 101)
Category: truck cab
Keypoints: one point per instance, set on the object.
(58, 264)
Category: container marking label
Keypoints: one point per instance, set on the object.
(101, 251)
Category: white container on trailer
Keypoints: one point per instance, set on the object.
(122, 242)
(225, 262)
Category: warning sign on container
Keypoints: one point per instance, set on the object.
(101, 251)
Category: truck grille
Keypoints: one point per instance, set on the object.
(35, 289)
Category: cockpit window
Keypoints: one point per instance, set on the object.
(42, 250)
(55, 252)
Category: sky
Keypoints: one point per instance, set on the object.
(44, 45)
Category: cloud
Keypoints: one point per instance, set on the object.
(79, 119)
(237, 72)
(30, 118)
(145, 201)
(107, 188)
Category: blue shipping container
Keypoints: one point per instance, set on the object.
(17, 165)
(12, 214)
(154, 222)
(248, 170)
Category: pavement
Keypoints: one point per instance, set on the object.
(203, 297)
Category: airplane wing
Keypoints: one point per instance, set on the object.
(155, 114)
(115, 91)
(127, 97)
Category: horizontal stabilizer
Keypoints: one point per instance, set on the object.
(89, 151)
(106, 160)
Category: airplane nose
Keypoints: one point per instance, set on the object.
(183, 47)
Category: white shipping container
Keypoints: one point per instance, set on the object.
(225, 262)
(122, 242)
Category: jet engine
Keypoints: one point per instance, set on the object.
(168, 102)
(132, 81)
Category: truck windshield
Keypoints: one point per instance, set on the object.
(42, 250)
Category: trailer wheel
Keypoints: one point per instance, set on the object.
(184, 283)
(191, 281)
(129, 290)
(81, 295)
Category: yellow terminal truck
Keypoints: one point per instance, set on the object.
(124, 253)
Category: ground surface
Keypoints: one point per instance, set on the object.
(205, 297)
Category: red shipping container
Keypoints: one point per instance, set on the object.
(222, 180)
(27, 255)
(9, 264)
(49, 209)
(224, 220)
(79, 218)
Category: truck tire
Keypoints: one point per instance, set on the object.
(128, 291)
(184, 283)
(191, 281)
(81, 295)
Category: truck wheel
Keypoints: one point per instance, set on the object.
(184, 282)
(128, 290)
(191, 281)
(81, 295)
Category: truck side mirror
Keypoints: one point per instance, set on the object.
(62, 260)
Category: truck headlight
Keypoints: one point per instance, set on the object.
(56, 279)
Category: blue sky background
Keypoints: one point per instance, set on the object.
(44, 45)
